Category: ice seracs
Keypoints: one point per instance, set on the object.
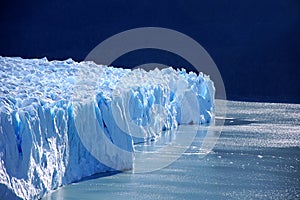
(61, 121)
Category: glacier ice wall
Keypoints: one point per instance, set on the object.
(61, 121)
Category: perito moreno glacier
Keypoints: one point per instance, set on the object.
(61, 121)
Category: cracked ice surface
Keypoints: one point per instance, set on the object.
(47, 108)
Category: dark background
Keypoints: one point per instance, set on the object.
(255, 43)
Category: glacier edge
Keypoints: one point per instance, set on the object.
(61, 121)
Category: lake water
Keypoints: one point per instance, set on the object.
(257, 156)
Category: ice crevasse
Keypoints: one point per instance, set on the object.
(61, 121)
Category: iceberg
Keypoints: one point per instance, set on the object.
(61, 121)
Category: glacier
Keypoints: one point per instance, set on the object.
(61, 121)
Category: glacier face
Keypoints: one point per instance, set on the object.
(61, 121)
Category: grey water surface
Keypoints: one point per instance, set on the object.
(257, 156)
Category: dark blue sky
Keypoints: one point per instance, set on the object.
(255, 44)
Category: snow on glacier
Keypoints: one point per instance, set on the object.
(52, 113)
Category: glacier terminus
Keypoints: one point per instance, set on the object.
(61, 121)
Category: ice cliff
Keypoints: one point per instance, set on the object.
(61, 121)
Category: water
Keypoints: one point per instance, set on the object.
(256, 157)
